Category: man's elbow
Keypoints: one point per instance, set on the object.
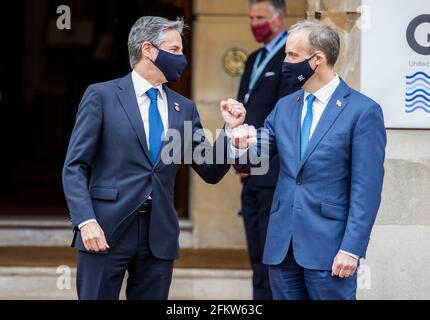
(65, 173)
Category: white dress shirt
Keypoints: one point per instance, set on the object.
(322, 96)
(141, 86)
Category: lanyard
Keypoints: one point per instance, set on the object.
(259, 68)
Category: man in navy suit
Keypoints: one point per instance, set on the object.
(331, 143)
(261, 86)
(118, 182)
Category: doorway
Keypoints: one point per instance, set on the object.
(42, 80)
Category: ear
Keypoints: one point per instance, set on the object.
(320, 58)
(146, 50)
(279, 21)
(282, 20)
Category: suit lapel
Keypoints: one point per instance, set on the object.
(298, 123)
(268, 67)
(334, 108)
(248, 73)
(173, 106)
(127, 97)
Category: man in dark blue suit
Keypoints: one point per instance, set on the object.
(261, 86)
(331, 143)
(118, 179)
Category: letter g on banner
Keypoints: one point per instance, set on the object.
(411, 38)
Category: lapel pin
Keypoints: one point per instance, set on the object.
(298, 99)
(338, 103)
(177, 107)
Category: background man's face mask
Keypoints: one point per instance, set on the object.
(263, 31)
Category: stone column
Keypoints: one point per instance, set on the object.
(345, 17)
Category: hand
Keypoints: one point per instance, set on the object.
(94, 237)
(242, 175)
(344, 265)
(233, 113)
(244, 136)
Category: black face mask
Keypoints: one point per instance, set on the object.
(297, 74)
(171, 65)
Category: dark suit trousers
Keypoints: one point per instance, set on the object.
(256, 203)
(100, 276)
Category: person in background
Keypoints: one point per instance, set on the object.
(261, 86)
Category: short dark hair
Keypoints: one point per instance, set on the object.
(322, 37)
(278, 5)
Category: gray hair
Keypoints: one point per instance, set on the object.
(278, 5)
(150, 29)
(321, 37)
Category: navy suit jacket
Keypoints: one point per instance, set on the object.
(108, 173)
(269, 88)
(327, 201)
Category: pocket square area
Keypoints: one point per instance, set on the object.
(269, 74)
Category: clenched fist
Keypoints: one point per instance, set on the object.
(244, 136)
(233, 113)
(94, 237)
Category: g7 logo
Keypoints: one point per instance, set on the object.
(410, 35)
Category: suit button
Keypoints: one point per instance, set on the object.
(299, 183)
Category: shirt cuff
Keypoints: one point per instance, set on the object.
(234, 152)
(350, 254)
(86, 222)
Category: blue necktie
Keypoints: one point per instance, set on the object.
(155, 126)
(306, 127)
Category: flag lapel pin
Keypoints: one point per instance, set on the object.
(177, 107)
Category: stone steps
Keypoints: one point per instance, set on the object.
(58, 232)
(50, 283)
(37, 273)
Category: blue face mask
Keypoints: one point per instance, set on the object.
(298, 73)
(171, 65)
